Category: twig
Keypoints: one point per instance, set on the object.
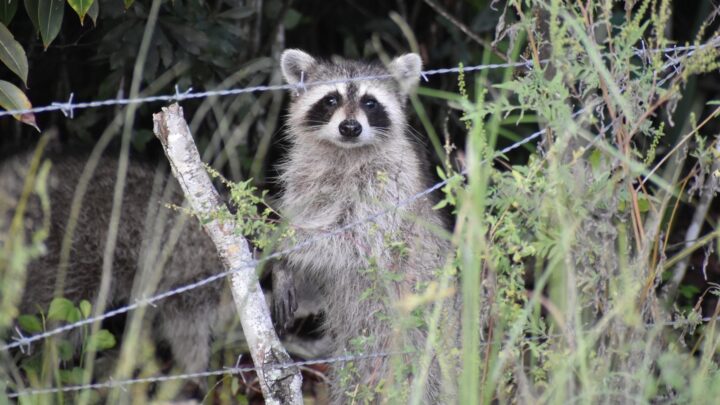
(679, 144)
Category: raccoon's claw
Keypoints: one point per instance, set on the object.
(284, 301)
(284, 311)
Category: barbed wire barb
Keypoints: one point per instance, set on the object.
(67, 107)
(21, 339)
(181, 95)
(301, 84)
(145, 302)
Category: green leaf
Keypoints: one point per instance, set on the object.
(73, 376)
(102, 340)
(31, 8)
(595, 157)
(75, 315)
(441, 173)
(32, 366)
(29, 323)
(85, 308)
(7, 10)
(688, 291)
(61, 309)
(128, 3)
(12, 98)
(12, 53)
(81, 7)
(94, 11)
(440, 205)
(50, 16)
(65, 349)
(713, 102)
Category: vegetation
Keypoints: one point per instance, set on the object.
(587, 262)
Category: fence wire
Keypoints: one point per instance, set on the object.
(68, 107)
(23, 342)
(330, 360)
(223, 371)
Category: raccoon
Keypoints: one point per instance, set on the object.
(351, 155)
(146, 253)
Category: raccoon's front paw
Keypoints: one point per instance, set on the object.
(284, 301)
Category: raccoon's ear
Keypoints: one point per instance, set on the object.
(406, 69)
(293, 62)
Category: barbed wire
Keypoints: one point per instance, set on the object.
(203, 374)
(330, 360)
(24, 341)
(68, 107)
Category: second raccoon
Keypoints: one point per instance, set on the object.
(155, 246)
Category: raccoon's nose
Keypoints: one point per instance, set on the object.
(350, 128)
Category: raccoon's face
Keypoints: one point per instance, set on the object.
(349, 114)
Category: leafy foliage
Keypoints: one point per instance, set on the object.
(566, 252)
(48, 358)
(253, 217)
(574, 215)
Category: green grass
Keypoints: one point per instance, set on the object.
(560, 261)
(560, 258)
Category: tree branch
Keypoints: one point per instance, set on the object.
(279, 385)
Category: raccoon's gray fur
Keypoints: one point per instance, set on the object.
(185, 320)
(350, 157)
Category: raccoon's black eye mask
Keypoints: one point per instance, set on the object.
(369, 102)
(331, 100)
(322, 111)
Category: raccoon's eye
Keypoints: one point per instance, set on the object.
(370, 103)
(330, 101)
